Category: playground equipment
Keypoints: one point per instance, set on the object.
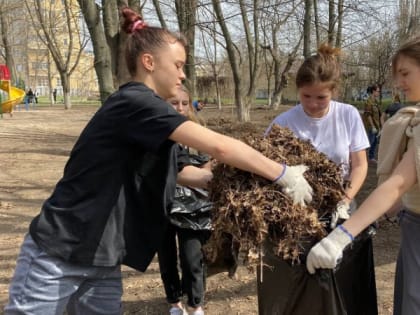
(15, 95)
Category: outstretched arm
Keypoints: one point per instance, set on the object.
(386, 195)
(226, 149)
(327, 252)
(238, 154)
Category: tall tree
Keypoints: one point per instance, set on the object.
(230, 49)
(186, 13)
(340, 10)
(253, 49)
(243, 95)
(6, 11)
(331, 22)
(316, 22)
(210, 43)
(275, 24)
(156, 4)
(103, 57)
(307, 22)
(59, 30)
(408, 18)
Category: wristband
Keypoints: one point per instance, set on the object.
(275, 180)
(342, 228)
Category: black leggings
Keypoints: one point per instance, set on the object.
(192, 265)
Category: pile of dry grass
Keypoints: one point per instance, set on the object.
(252, 209)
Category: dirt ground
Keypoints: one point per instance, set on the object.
(34, 147)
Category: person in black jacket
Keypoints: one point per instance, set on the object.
(110, 206)
(192, 231)
(390, 111)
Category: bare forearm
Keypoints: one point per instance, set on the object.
(244, 157)
(356, 180)
(377, 204)
(194, 177)
(226, 149)
(358, 173)
(386, 195)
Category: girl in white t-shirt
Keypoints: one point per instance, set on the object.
(335, 129)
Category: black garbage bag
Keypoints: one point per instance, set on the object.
(356, 276)
(191, 209)
(285, 289)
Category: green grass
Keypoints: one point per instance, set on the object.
(45, 101)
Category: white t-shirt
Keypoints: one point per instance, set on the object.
(337, 134)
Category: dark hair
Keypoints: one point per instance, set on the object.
(410, 49)
(144, 38)
(372, 88)
(320, 68)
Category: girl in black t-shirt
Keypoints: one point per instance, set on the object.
(110, 206)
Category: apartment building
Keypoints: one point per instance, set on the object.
(34, 62)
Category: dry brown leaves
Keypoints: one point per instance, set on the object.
(253, 210)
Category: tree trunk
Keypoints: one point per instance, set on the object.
(281, 76)
(186, 13)
(340, 9)
(65, 82)
(8, 52)
(331, 21)
(241, 113)
(307, 29)
(103, 62)
(253, 54)
(110, 20)
(316, 21)
(162, 21)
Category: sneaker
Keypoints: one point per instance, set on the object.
(373, 161)
(177, 311)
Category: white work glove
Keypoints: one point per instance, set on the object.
(341, 212)
(295, 185)
(374, 130)
(327, 253)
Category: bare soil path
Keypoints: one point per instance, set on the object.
(34, 147)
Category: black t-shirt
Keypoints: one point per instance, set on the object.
(118, 184)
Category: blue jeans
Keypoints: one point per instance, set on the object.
(47, 285)
(26, 103)
(373, 140)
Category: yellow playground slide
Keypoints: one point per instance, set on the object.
(15, 96)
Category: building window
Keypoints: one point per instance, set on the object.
(39, 66)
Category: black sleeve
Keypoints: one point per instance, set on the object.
(149, 119)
